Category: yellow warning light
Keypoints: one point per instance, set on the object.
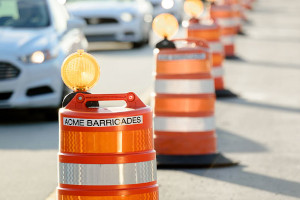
(165, 25)
(80, 71)
(193, 8)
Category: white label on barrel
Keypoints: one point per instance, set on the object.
(103, 122)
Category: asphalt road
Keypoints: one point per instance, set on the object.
(260, 128)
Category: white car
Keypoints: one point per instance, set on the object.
(174, 7)
(114, 20)
(35, 38)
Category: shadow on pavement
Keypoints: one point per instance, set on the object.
(115, 47)
(233, 143)
(250, 179)
(34, 136)
(144, 51)
(27, 130)
(282, 66)
(261, 105)
(21, 116)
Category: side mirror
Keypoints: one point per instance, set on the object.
(75, 22)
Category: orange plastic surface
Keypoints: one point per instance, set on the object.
(145, 196)
(219, 83)
(174, 105)
(106, 142)
(229, 50)
(217, 59)
(183, 143)
(209, 35)
(146, 191)
(183, 67)
(229, 30)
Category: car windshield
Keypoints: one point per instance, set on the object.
(24, 13)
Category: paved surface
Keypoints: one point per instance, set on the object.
(260, 129)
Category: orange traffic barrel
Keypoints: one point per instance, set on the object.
(237, 11)
(184, 106)
(211, 32)
(247, 4)
(224, 16)
(106, 152)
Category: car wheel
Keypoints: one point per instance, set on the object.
(51, 114)
(139, 44)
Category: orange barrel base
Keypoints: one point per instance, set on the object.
(146, 193)
(225, 94)
(221, 92)
(219, 83)
(130, 197)
(188, 143)
(230, 52)
(196, 161)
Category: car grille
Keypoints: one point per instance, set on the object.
(8, 71)
(5, 95)
(94, 21)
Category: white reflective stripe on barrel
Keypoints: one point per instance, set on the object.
(236, 7)
(107, 174)
(238, 20)
(184, 124)
(216, 47)
(227, 22)
(184, 86)
(201, 26)
(227, 39)
(217, 71)
(191, 56)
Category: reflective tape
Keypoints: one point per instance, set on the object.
(227, 22)
(216, 47)
(238, 20)
(228, 40)
(107, 174)
(184, 124)
(236, 7)
(194, 56)
(217, 71)
(184, 86)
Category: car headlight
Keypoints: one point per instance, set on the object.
(167, 4)
(39, 57)
(126, 17)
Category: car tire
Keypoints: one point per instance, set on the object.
(137, 45)
(51, 114)
(140, 44)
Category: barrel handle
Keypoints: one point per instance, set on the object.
(80, 100)
(198, 42)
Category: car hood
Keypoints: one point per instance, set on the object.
(18, 41)
(94, 8)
